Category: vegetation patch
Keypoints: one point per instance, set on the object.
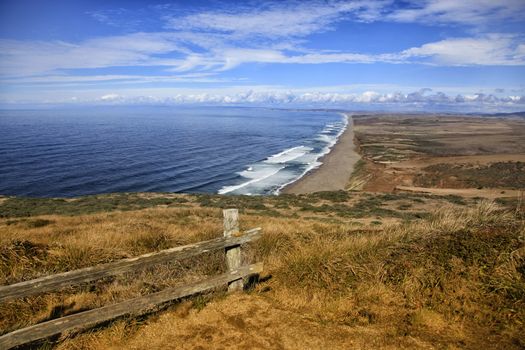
(496, 175)
(23, 207)
(332, 196)
(230, 201)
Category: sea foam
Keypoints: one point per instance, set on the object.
(272, 174)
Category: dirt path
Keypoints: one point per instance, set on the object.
(475, 159)
(465, 192)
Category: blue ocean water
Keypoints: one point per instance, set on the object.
(63, 153)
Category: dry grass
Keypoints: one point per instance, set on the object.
(455, 279)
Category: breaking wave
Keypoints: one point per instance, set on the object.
(272, 174)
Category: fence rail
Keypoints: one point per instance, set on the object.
(231, 242)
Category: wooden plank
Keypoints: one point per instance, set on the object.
(133, 306)
(57, 281)
(233, 253)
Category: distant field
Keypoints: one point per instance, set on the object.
(509, 175)
(338, 207)
(442, 152)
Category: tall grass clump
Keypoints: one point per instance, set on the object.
(459, 272)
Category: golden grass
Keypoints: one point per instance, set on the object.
(453, 280)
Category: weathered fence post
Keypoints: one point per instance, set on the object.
(233, 254)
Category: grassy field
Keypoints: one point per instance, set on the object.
(342, 269)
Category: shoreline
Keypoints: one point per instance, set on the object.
(334, 172)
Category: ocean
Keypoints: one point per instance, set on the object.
(227, 150)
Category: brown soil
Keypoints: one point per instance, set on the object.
(477, 159)
(464, 192)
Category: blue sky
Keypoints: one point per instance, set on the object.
(461, 53)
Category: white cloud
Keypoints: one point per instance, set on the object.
(285, 19)
(492, 49)
(19, 58)
(104, 17)
(421, 97)
(110, 97)
(34, 57)
(350, 97)
(276, 19)
(317, 58)
(466, 12)
(74, 80)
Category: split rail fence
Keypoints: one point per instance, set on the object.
(231, 242)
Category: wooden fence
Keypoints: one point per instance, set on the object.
(231, 242)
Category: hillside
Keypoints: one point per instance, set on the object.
(342, 269)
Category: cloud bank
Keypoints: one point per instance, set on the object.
(421, 99)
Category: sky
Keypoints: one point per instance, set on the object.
(464, 55)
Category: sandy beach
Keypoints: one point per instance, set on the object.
(336, 169)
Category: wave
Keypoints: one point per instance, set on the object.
(272, 174)
(255, 177)
(326, 150)
(288, 155)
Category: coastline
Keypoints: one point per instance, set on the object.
(334, 172)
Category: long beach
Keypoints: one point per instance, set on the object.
(334, 172)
